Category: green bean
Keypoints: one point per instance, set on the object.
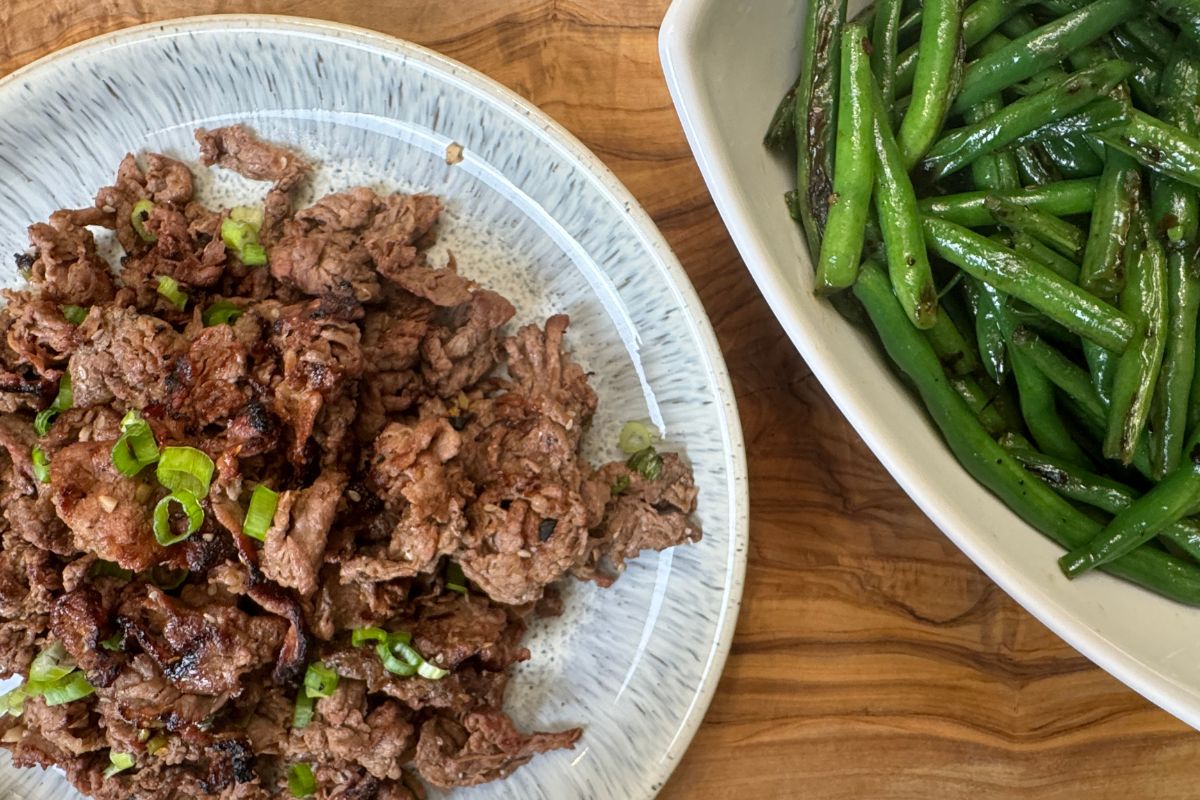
(1167, 502)
(1030, 246)
(853, 168)
(1094, 490)
(1183, 13)
(815, 122)
(896, 207)
(958, 148)
(1144, 300)
(989, 463)
(1103, 268)
(989, 338)
(1143, 82)
(1105, 113)
(1064, 237)
(1175, 211)
(1162, 147)
(1034, 166)
(939, 63)
(969, 209)
(997, 170)
(1041, 48)
(1151, 35)
(957, 357)
(1062, 7)
(781, 133)
(1073, 157)
(909, 29)
(1064, 373)
(1027, 280)
(978, 20)
(884, 49)
(1102, 364)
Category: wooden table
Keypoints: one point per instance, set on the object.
(872, 659)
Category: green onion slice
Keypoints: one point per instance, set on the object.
(261, 512)
(118, 762)
(455, 580)
(107, 569)
(41, 464)
(414, 659)
(361, 636)
(51, 664)
(320, 681)
(62, 401)
(115, 643)
(251, 215)
(139, 215)
(162, 517)
(220, 313)
(301, 781)
(12, 702)
(167, 578)
(185, 469)
(137, 448)
(168, 287)
(156, 744)
(646, 463)
(619, 485)
(393, 664)
(636, 436)
(303, 713)
(75, 314)
(67, 690)
(242, 238)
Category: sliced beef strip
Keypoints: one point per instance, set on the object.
(453, 628)
(465, 688)
(80, 621)
(143, 697)
(17, 438)
(351, 603)
(40, 335)
(210, 382)
(34, 519)
(117, 202)
(125, 356)
(321, 251)
(647, 515)
(70, 726)
(484, 747)
(201, 652)
(462, 347)
(236, 148)
(67, 270)
(168, 180)
(107, 512)
(553, 384)
(346, 728)
(295, 545)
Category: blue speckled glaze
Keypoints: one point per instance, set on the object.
(530, 213)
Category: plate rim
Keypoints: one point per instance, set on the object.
(680, 24)
(733, 572)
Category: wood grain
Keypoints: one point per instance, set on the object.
(872, 659)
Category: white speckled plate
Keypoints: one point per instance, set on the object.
(531, 213)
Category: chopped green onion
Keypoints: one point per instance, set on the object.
(251, 215)
(62, 401)
(620, 485)
(51, 664)
(303, 713)
(137, 448)
(107, 569)
(12, 702)
(636, 436)
(393, 664)
(261, 512)
(75, 314)
(139, 215)
(646, 463)
(361, 636)
(254, 255)
(168, 287)
(185, 469)
(320, 681)
(167, 578)
(242, 239)
(156, 744)
(220, 313)
(118, 762)
(41, 465)
(399, 643)
(67, 690)
(162, 517)
(301, 781)
(1175, 233)
(455, 580)
(115, 643)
